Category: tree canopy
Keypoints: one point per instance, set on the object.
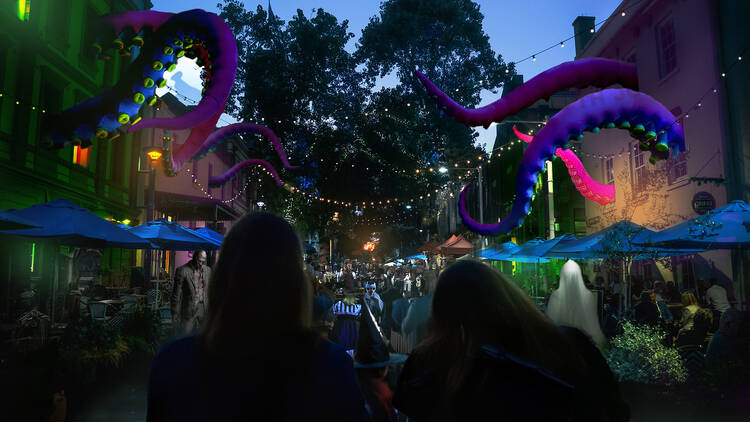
(355, 138)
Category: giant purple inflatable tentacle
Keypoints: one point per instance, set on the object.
(223, 49)
(586, 185)
(227, 131)
(223, 178)
(647, 119)
(579, 73)
(136, 19)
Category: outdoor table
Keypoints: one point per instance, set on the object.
(113, 304)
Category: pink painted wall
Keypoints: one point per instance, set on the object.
(634, 38)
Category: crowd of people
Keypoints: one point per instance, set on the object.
(281, 336)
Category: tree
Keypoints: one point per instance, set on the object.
(353, 144)
(443, 39)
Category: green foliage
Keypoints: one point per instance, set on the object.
(141, 330)
(298, 78)
(639, 355)
(88, 348)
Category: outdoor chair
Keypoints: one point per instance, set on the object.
(98, 311)
(694, 359)
(165, 320)
(129, 303)
(116, 321)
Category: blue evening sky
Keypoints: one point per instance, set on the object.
(517, 29)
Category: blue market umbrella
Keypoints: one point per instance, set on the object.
(419, 256)
(500, 252)
(9, 221)
(727, 227)
(70, 224)
(539, 247)
(213, 236)
(172, 236)
(624, 239)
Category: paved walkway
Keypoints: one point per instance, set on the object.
(121, 400)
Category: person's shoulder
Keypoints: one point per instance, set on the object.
(334, 355)
(178, 349)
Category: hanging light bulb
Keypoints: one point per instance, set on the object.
(533, 58)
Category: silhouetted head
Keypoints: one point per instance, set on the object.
(474, 305)
(259, 268)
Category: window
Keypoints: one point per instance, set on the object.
(81, 156)
(676, 168)
(609, 171)
(667, 48)
(24, 9)
(640, 174)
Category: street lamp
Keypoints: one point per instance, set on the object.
(408, 207)
(443, 170)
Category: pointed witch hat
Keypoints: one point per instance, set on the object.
(372, 351)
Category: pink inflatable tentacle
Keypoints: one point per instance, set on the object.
(586, 185)
(136, 19)
(223, 178)
(222, 133)
(194, 141)
(590, 188)
(525, 138)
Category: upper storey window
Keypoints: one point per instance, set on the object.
(665, 38)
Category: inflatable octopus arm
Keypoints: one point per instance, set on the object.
(647, 119)
(575, 74)
(585, 184)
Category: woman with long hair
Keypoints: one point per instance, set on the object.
(573, 305)
(490, 350)
(256, 353)
(689, 307)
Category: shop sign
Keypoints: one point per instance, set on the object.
(703, 202)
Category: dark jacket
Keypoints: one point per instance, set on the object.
(400, 308)
(508, 388)
(185, 385)
(187, 307)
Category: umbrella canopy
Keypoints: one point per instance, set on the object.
(723, 228)
(420, 256)
(538, 248)
(460, 246)
(624, 239)
(9, 221)
(73, 225)
(428, 247)
(216, 237)
(172, 236)
(500, 252)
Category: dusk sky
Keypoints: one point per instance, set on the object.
(517, 29)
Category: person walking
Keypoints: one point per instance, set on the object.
(371, 362)
(414, 325)
(491, 351)
(188, 301)
(256, 357)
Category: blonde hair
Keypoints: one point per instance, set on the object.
(688, 298)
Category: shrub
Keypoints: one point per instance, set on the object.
(141, 330)
(639, 355)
